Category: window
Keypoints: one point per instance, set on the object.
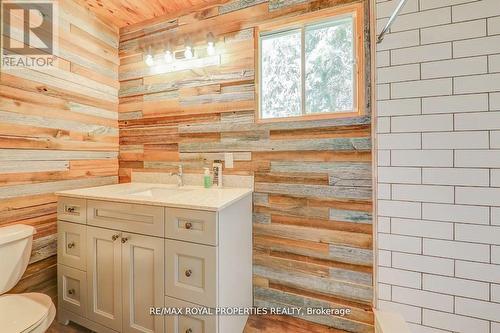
(312, 68)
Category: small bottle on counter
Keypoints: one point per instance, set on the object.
(217, 167)
(207, 179)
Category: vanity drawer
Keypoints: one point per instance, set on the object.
(188, 323)
(72, 209)
(196, 226)
(191, 272)
(141, 219)
(71, 245)
(72, 289)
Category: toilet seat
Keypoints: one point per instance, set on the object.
(26, 313)
(43, 325)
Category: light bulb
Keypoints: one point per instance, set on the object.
(169, 57)
(149, 60)
(188, 53)
(211, 48)
(211, 44)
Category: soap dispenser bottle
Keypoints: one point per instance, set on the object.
(207, 180)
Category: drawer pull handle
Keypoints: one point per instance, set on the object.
(188, 225)
(189, 330)
(71, 291)
(188, 273)
(71, 245)
(115, 237)
(70, 209)
(124, 240)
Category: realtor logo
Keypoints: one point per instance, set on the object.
(29, 33)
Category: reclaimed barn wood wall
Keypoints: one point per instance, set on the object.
(313, 179)
(58, 130)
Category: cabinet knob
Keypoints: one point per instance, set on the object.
(115, 237)
(71, 245)
(124, 240)
(188, 225)
(189, 330)
(71, 291)
(188, 273)
(70, 209)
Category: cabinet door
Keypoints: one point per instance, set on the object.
(191, 272)
(143, 286)
(184, 323)
(71, 245)
(72, 289)
(104, 277)
(72, 209)
(189, 225)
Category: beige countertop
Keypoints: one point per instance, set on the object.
(192, 197)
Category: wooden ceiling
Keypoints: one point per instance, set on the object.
(121, 13)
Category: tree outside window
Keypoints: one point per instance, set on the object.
(311, 69)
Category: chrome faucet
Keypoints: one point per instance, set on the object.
(179, 174)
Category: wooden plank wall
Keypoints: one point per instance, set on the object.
(58, 130)
(313, 182)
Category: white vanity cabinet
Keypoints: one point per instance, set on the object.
(117, 260)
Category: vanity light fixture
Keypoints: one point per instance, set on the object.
(170, 60)
(149, 59)
(210, 44)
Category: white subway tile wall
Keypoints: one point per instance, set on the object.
(438, 109)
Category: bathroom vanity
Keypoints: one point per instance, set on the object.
(123, 249)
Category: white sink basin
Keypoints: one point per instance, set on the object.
(159, 192)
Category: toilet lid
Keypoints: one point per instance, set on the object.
(21, 311)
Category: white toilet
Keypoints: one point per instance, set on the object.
(26, 313)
